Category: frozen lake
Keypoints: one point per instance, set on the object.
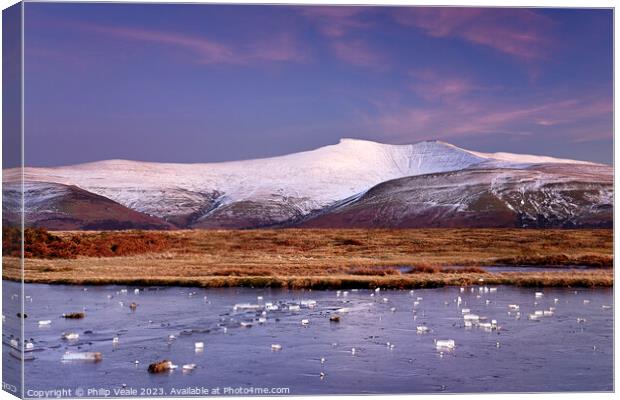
(569, 349)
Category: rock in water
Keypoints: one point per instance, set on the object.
(74, 315)
(160, 366)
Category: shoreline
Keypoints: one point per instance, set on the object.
(592, 278)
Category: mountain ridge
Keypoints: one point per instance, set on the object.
(278, 190)
(500, 155)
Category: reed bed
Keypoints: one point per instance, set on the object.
(329, 258)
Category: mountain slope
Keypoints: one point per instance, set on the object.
(543, 195)
(62, 207)
(274, 191)
(314, 178)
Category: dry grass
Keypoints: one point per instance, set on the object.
(338, 258)
(593, 278)
(39, 243)
(370, 271)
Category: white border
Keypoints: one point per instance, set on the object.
(487, 3)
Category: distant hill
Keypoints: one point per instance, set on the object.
(354, 183)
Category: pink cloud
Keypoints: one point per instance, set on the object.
(433, 86)
(472, 117)
(521, 33)
(336, 21)
(356, 52)
(207, 50)
(281, 48)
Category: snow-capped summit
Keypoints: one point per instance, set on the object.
(275, 189)
(313, 178)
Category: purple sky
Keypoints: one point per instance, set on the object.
(202, 83)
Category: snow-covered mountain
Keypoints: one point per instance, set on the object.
(540, 195)
(272, 191)
(63, 207)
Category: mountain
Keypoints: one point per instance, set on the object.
(542, 195)
(334, 182)
(61, 207)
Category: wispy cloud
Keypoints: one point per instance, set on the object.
(521, 33)
(431, 85)
(280, 48)
(338, 24)
(469, 117)
(357, 52)
(336, 21)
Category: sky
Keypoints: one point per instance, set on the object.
(208, 83)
